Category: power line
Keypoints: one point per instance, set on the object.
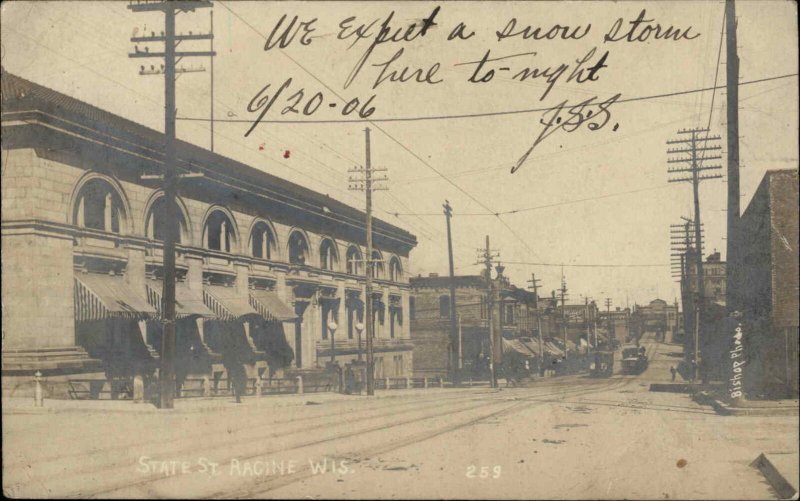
(659, 265)
(392, 138)
(527, 209)
(489, 113)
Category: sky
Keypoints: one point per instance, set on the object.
(595, 203)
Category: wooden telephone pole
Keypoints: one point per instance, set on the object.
(170, 176)
(693, 164)
(534, 284)
(486, 257)
(367, 185)
(455, 342)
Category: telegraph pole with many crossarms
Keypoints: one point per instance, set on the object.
(170, 176)
(366, 184)
(563, 292)
(693, 164)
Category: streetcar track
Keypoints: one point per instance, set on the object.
(334, 437)
(304, 473)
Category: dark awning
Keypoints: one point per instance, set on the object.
(187, 301)
(270, 306)
(226, 303)
(98, 297)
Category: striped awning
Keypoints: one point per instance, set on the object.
(270, 306)
(226, 303)
(515, 345)
(98, 297)
(187, 302)
(553, 349)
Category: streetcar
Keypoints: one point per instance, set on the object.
(603, 364)
(634, 359)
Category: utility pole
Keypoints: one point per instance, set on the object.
(170, 176)
(486, 256)
(693, 164)
(732, 86)
(366, 184)
(534, 284)
(611, 323)
(211, 83)
(563, 292)
(586, 323)
(455, 343)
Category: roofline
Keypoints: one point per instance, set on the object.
(117, 127)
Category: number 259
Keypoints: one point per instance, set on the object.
(483, 472)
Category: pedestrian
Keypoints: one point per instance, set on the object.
(238, 378)
(673, 371)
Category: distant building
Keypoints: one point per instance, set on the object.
(658, 317)
(616, 323)
(766, 286)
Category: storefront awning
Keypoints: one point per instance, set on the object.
(98, 297)
(270, 306)
(515, 345)
(531, 343)
(226, 303)
(187, 301)
(552, 349)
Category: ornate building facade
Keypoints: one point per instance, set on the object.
(264, 265)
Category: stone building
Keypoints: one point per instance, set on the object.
(263, 264)
(766, 286)
(513, 318)
(658, 317)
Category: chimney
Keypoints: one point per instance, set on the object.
(433, 275)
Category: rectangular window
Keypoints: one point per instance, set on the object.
(412, 308)
(444, 306)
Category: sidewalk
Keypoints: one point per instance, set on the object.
(25, 405)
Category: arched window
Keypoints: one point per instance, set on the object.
(353, 260)
(262, 241)
(99, 207)
(377, 265)
(327, 255)
(444, 306)
(156, 221)
(298, 248)
(395, 271)
(219, 233)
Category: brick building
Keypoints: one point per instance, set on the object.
(767, 286)
(430, 321)
(263, 264)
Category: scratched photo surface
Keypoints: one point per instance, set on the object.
(409, 250)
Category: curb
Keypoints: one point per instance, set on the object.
(778, 482)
